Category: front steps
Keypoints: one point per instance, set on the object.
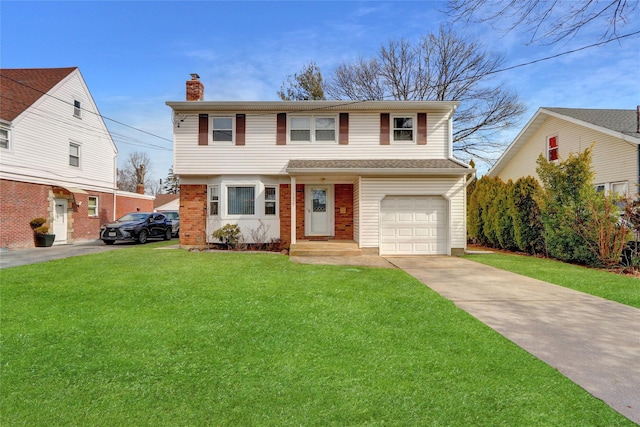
(306, 248)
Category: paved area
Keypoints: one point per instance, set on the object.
(18, 257)
(592, 341)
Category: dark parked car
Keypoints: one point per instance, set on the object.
(174, 216)
(137, 226)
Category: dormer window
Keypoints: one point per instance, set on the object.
(552, 148)
(77, 109)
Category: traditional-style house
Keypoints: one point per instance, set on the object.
(378, 173)
(557, 132)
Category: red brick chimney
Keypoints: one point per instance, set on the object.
(195, 88)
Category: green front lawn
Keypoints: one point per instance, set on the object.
(605, 284)
(146, 337)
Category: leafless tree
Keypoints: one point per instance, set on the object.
(547, 21)
(441, 67)
(136, 171)
(304, 86)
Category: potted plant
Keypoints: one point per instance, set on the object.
(41, 236)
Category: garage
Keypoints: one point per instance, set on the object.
(413, 225)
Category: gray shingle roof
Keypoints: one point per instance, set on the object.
(378, 167)
(623, 121)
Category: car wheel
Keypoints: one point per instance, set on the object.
(109, 242)
(143, 236)
(167, 234)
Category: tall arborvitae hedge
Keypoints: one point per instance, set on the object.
(528, 230)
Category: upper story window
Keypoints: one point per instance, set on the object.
(77, 108)
(312, 129)
(403, 129)
(74, 155)
(4, 137)
(222, 129)
(552, 148)
(92, 206)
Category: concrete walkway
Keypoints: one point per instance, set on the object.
(593, 341)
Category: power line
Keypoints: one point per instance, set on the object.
(89, 111)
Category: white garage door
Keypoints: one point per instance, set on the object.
(415, 225)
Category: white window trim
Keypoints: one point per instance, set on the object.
(233, 129)
(209, 201)
(414, 128)
(312, 130)
(276, 200)
(225, 199)
(626, 187)
(89, 204)
(8, 129)
(76, 144)
(77, 110)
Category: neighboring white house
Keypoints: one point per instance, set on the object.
(57, 158)
(557, 132)
(380, 173)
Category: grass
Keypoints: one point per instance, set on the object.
(608, 285)
(147, 337)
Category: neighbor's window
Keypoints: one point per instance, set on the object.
(4, 137)
(312, 129)
(222, 129)
(77, 109)
(241, 200)
(619, 188)
(214, 200)
(270, 200)
(600, 188)
(74, 155)
(403, 128)
(552, 148)
(92, 206)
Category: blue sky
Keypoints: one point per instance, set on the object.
(134, 56)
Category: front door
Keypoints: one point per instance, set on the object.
(60, 221)
(318, 210)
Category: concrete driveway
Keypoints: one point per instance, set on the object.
(593, 341)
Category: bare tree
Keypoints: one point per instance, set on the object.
(547, 21)
(135, 172)
(441, 67)
(304, 86)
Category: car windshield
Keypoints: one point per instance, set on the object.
(172, 215)
(134, 217)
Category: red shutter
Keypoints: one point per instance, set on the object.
(344, 129)
(384, 128)
(240, 128)
(553, 148)
(281, 138)
(422, 128)
(203, 129)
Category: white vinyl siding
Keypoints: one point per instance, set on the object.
(262, 156)
(613, 159)
(373, 190)
(49, 119)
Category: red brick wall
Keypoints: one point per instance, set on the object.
(20, 202)
(193, 215)
(344, 211)
(285, 213)
(126, 204)
(300, 211)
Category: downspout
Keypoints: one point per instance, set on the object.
(638, 132)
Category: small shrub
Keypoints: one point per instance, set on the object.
(43, 229)
(229, 235)
(259, 235)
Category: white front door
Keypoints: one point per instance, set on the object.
(60, 221)
(319, 210)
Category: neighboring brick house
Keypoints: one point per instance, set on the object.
(557, 132)
(57, 158)
(380, 173)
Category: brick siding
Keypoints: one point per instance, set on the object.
(344, 211)
(193, 215)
